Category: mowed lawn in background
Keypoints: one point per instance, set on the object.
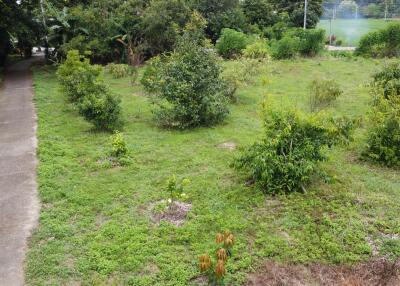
(350, 31)
(95, 223)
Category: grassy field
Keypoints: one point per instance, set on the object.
(95, 223)
(351, 30)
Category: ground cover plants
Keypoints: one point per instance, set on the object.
(97, 227)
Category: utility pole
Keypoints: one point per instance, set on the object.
(305, 14)
(386, 10)
(46, 48)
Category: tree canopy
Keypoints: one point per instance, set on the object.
(133, 30)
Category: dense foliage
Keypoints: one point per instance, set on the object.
(186, 87)
(288, 156)
(19, 27)
(298, 42)
(135, 30)
(388, 80)
(383, 138)
(383, 142)
(381, 43)
(231, 43)
(257, 50)
(78, 77)
(81, 83)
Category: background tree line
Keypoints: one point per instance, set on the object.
(133, 30)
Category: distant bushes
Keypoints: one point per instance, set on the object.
(381, 43)
(285, 48)
(231, 43)
(118, 70)
(186, 87)
(257, 50)
(295, 42)
(81, 83)
(288, 155)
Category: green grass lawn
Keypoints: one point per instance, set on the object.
(351, 30)
(95, 226)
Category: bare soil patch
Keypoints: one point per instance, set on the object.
(227, 145)
(176, 213)
(380, 272)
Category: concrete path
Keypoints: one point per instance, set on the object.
(19, 205)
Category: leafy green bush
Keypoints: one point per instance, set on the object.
(298, 41)
(381, 43)
(102, 110)
(187, 87)
(78, 77)
(285, 48)
(231, 43)
(80, 81)
(383, 139)
(257, 50)
(288, 156)
(323, 93)
(388, 81)
(311, 41)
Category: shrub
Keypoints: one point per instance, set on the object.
(102, 110)
(78, 77)
(118, 70)
(381, 43)
(80, 81)
(240, 73)
(311, 41)
(215, 268)
(285, 48)
(187, 87)
(323, 93)
(388, 81)
(231, 43)
(257, 50)
(288, 156)
(118, 145)
(383, 139)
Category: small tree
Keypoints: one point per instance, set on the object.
(288, 156)
(186, 87)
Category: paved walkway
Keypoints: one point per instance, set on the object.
(19, 205)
